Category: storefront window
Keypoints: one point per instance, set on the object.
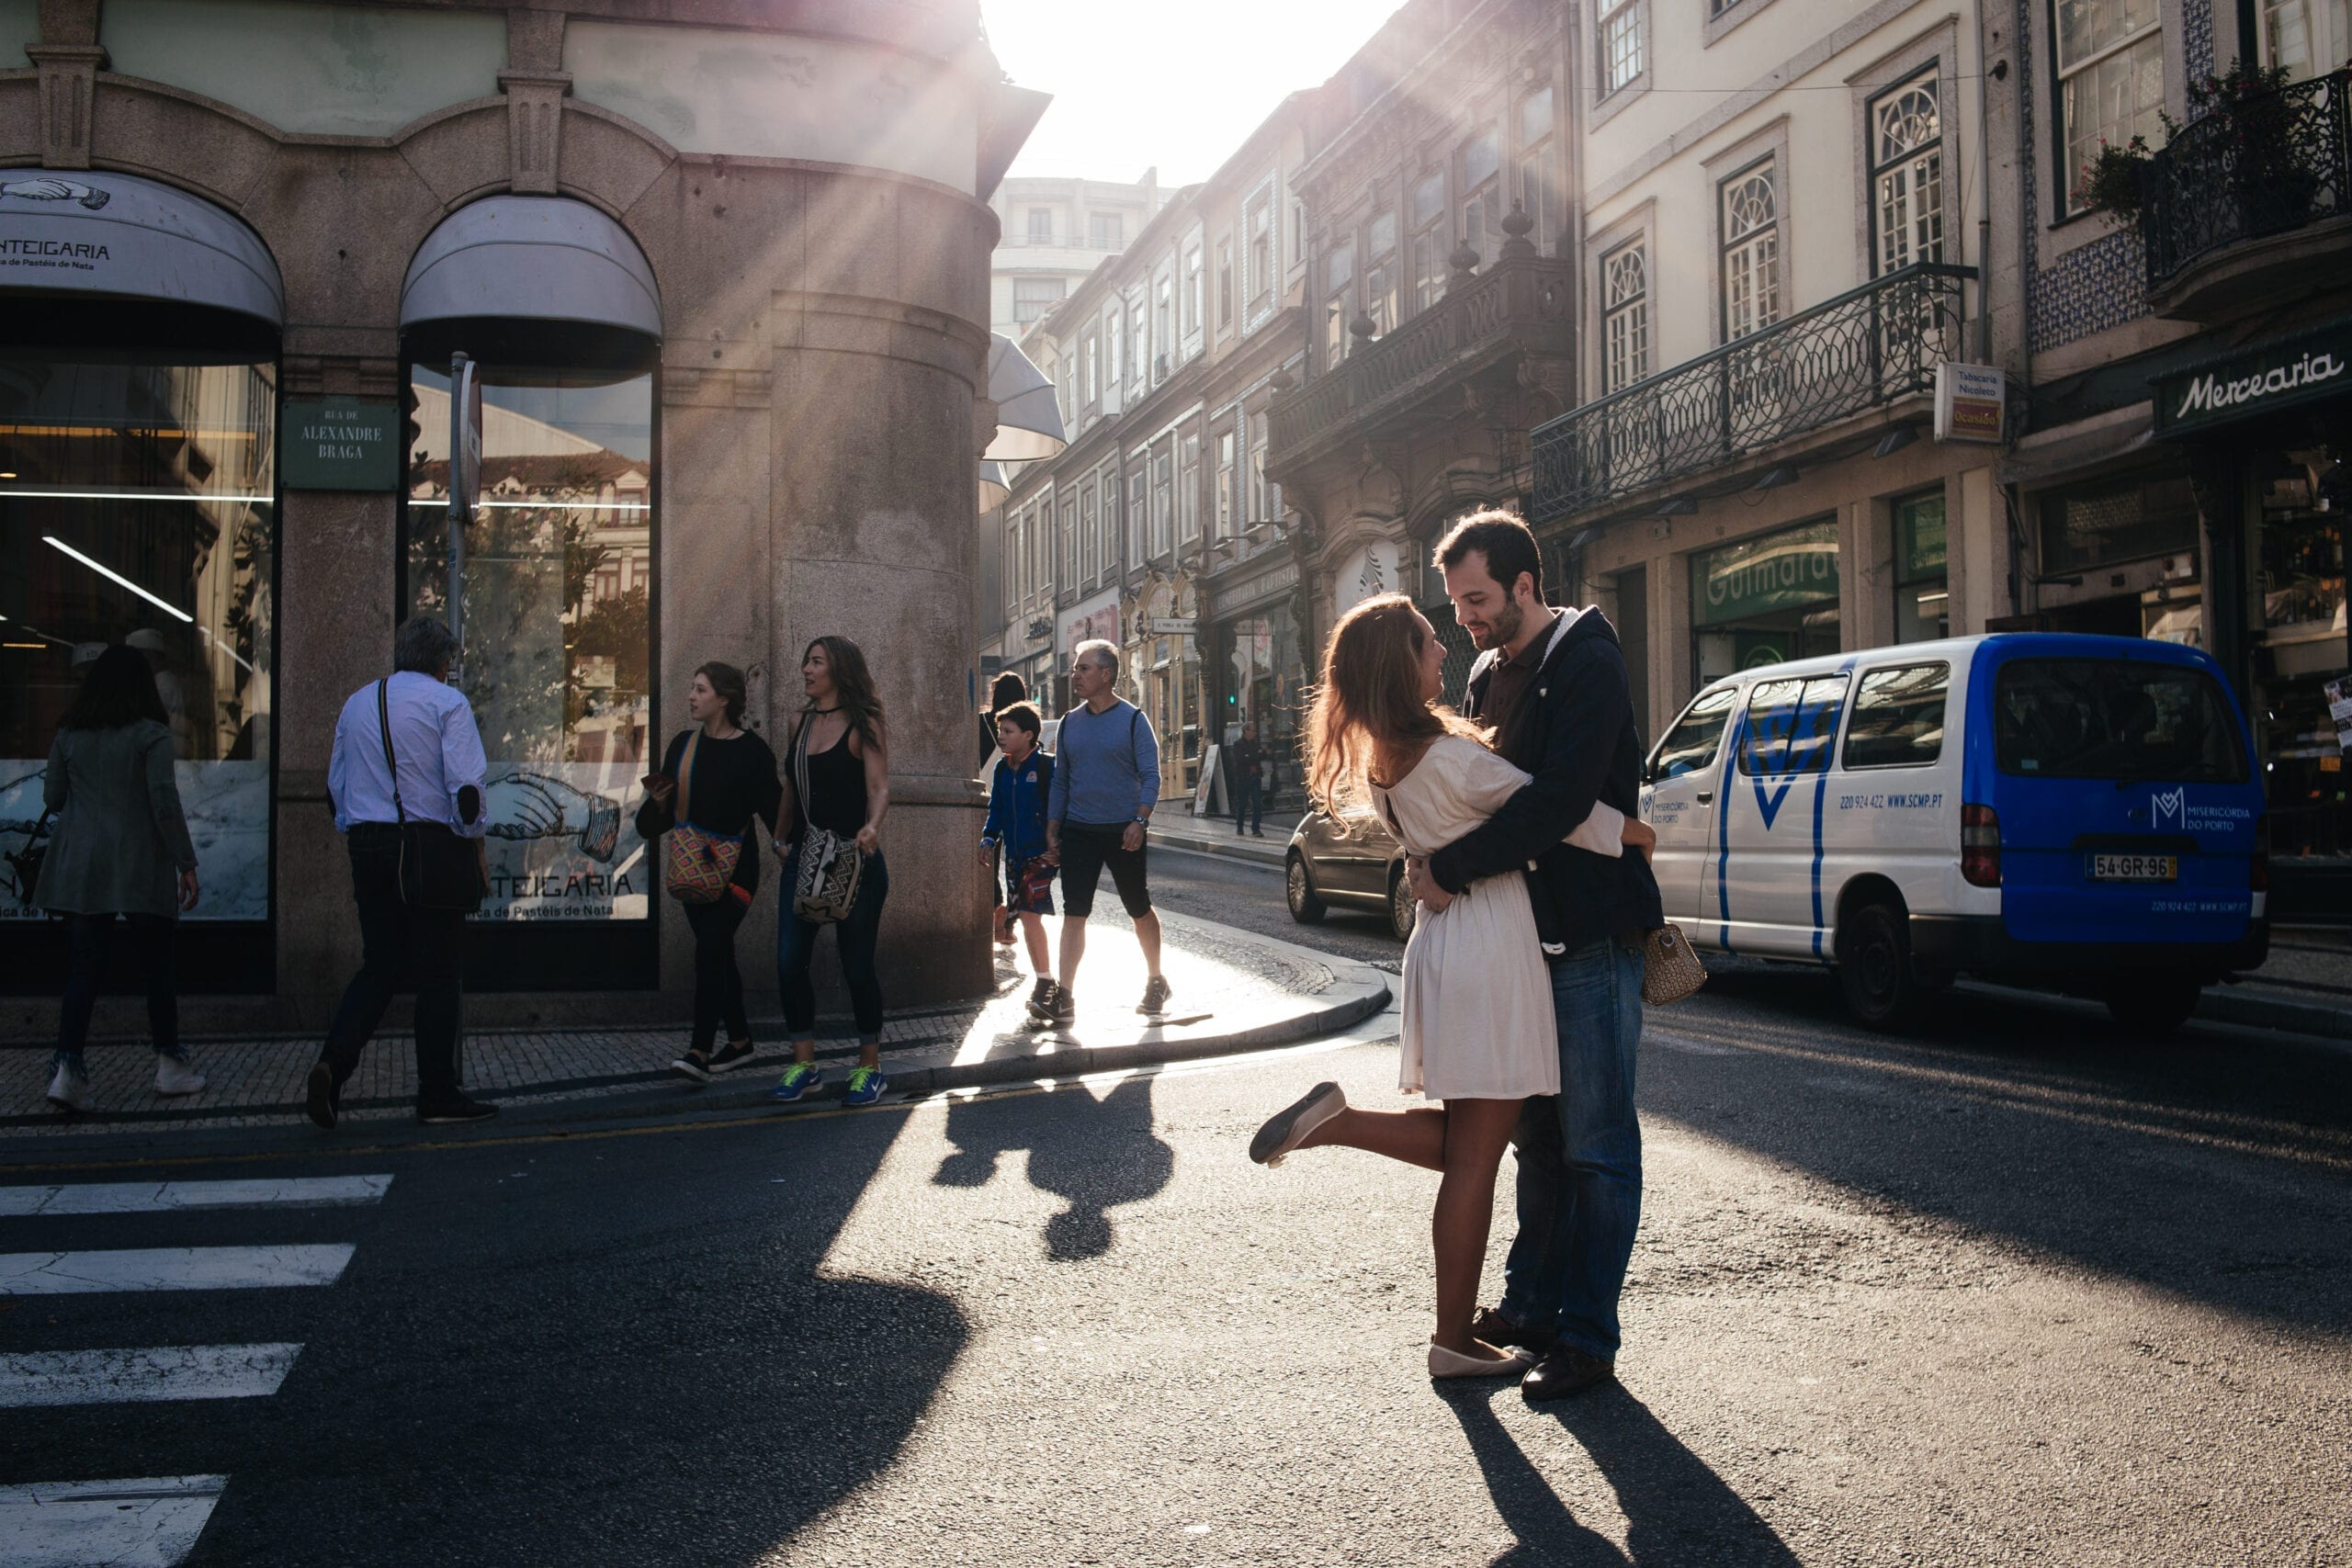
(138, 505)
(559, 648)
(2133, 519)
(1922, 594)
(2303, 637)
(1765, 600)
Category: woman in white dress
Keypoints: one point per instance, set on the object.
(1478, 1030)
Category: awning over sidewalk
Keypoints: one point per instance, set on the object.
(88, 232)
(1028, 419)
(532, 258)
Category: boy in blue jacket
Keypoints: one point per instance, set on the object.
(1017, 796)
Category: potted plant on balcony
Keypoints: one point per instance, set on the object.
(2249, 128)
(2115, 182)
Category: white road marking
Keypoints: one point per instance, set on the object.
(174, 1197)
(1683, 1043)
(151, 1523)
(171, 1269)
(125, 1376)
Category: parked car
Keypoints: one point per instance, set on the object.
(1353, 863)
(2075, 812)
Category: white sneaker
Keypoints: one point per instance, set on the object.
(174, 1075)
(69, 1090)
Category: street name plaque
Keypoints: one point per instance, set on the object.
(340, 444)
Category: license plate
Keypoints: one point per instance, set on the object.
(2135, 868)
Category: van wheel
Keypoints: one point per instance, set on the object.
(1304, 906)
(1874, 967)
(2152, 1005)
(1403, 907)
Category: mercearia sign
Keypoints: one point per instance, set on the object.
(2317, 365)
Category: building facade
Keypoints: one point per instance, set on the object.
(2180, 471)
(1054, 233)
(732, 346)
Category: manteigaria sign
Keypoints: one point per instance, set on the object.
(2302, 369)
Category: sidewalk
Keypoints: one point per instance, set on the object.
(1234, 991)
(2304, 985)
(1214, 836)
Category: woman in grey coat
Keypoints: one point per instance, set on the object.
(119, 847)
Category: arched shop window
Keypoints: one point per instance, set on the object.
(556, 308)
(139, 506)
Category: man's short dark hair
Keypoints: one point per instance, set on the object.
(1023, 715)
(1505, 542)
(423, 645)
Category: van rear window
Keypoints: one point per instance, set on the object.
(2114, 719)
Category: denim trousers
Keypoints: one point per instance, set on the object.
(88, 938)
(1580, 1158)
(1249, 801)
(718, 984)
(399, 943)
(796, 947)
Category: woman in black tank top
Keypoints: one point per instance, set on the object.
(841, 752)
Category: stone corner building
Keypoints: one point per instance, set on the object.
(725, 267)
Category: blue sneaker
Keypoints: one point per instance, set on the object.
(866, 1087)
(797, 1081)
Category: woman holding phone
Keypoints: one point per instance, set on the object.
(718, 777)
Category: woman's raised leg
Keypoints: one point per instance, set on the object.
(1416, 1137)
(1477, 1131)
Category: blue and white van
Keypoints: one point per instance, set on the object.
(2073, 812)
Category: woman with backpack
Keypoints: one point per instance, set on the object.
(836, 791)
(1023, 781)
(716, 778)
(120, 847)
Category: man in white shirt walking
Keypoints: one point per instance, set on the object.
(427, 728)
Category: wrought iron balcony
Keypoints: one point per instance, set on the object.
(1518, 305)
(1859, 351)
(2266, 164)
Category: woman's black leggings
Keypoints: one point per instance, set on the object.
(718, 984)
(87, 937)
(795, 945)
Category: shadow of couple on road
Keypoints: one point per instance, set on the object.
(1677, 1509)
(1122, 1161)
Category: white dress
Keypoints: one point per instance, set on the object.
(1477, 1005)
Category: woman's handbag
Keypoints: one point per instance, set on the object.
(701, 864)
(26, 863)
(437, 869)
(1670, 971)
(831, 866)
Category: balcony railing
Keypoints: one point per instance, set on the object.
(1856, 352)
(2268, 164)
(1518, 304)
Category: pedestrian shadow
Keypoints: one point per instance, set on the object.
(1678, 1510)
(1128, 1163)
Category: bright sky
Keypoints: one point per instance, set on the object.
(1136, 85)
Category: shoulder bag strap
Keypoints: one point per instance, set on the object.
(384, 721)
(686, 776)
(800, 768)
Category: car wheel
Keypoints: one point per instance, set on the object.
(1403, 907)
(1304, 906)
(1874, 967)
(2152, 1005)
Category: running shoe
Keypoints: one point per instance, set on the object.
(731, 1056)
(797, 1081)
(1065, 1009)
(1155, 997)
(176, 1075)
(1042, 1000)
(866, 1087)
(695, 1064)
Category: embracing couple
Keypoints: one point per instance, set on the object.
(1523, 984)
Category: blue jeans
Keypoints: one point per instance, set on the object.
(1580, 1159)
(796, 946)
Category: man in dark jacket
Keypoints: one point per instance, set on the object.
(1552, 684)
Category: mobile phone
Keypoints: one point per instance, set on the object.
(650, 780)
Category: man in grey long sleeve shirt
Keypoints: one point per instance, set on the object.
(1106, 780)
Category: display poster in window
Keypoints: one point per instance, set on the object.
(2339, 708)
(227, 808)
(562, 842)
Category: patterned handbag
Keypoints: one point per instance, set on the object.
(701, 864)
(1670, 971)
(831, 865)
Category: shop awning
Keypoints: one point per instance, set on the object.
(94, 232)
(1028, 419)
(993, 488)
(532, 258)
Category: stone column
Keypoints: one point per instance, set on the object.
(2217, 476)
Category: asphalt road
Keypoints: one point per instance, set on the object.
(2017, 1291)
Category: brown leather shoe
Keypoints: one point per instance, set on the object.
(1564, 1371)
(1492, 1326)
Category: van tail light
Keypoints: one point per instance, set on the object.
(1980, 846)
(2259, 872)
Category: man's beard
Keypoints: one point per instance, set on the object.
(1503, 626)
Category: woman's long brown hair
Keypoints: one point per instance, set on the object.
(1368, 712)
(853, 685)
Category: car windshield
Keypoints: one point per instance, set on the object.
(2114, 719)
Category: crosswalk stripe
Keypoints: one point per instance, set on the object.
(174, 1197)
(149, 1523)
(171, 1269)
(125, 1376)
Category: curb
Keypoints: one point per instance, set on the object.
(1272, 855)
(2226, 1005)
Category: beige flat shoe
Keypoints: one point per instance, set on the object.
(1288, 1128)
(1445, 1363)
